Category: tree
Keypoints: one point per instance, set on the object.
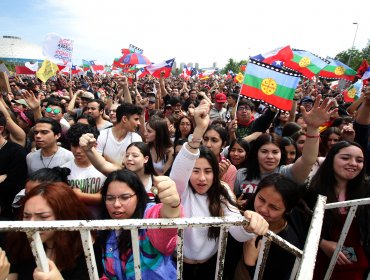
(356, 56)
(233, 66)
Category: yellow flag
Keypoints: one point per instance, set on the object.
(239, 77)
(48, 69)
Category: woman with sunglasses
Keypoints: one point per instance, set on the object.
(124, 197)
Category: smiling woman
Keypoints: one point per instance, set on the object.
(341, 177)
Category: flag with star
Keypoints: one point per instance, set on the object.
(279, 55)
(269, 84)
(337, 70)
(306, 63)
(156, 69)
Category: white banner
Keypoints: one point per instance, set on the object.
(57, 49)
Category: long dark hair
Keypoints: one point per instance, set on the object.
(286, 141)
(323, 148)
(133, 181)
(162, 137)
(245, 146)
(324, 181)
(144, 149)
(253, 166)
(217, 193)
(287, 188)
(177, 127)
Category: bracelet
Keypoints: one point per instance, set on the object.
(313, 136)
(194, 148)
(176, 205)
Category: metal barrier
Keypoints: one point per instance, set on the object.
(302, 270)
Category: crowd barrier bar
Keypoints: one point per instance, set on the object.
(302, 270)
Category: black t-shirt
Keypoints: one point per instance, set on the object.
(13, 164)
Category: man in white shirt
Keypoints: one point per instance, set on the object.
(113, 142)
(85, 179)
(47, 132)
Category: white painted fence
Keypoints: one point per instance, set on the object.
(303, 267)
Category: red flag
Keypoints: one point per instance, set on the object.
(125, 52)
(362, 69)
(24, 70)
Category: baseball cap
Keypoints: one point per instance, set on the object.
(21, 102)
(151, 99)
(220, 98)
(87, 95)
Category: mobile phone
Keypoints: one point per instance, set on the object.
(350, 253)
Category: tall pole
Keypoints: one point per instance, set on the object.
(353, 44)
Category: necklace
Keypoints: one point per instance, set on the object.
(42, 159)
(4, 143)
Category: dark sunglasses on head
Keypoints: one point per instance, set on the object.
(55, 111)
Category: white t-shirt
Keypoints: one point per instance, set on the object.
(87, 179)
(35, 161)
(110, 147)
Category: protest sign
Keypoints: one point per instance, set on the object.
(58, 49)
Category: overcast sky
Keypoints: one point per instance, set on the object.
(192, 31)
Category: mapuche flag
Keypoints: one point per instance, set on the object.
(270, 84)
(306, 63)
(337, 70)
(353, 92)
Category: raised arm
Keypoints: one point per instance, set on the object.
(185, 160)
(34, 103)
(88, 143)
(17, 134)
(319, 114)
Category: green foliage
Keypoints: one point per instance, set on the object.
(233, 66)
(354, 57)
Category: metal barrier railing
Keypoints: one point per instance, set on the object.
(302, 270)
(33, 228)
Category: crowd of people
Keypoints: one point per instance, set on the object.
(104, 147)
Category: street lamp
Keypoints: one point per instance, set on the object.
(353, 44)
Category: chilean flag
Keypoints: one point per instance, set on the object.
(97, 67)
(24, 70)
(156, 69)
(186, 73)
(278, 54)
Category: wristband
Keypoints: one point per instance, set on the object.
(194, 148)
(312, 136)
(176, 205)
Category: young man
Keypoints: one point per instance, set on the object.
(47, 131)
(55, 110)
(13, 172)
(85, 179)
(113, 142)
(245, 123)
(95, 108)
(218, 111)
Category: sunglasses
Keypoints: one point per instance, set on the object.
(55, 111)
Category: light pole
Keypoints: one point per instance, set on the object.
(353, 44)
